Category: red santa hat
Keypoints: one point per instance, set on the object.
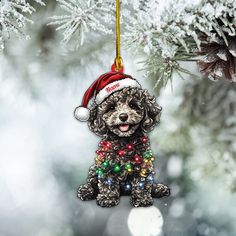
(102, 88)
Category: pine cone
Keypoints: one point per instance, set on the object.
(219, 60)
(220, 53)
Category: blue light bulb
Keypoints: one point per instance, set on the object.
(150, 178)
(141, 184)
(127, 187)
(109, 181)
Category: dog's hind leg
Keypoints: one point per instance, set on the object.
(89, 191)
(86, 192)
(160, 190)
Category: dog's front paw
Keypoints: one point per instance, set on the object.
(141, 202)
(160, 190)
(106, 201)
(86, 192)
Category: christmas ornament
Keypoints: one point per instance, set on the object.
(122, 113)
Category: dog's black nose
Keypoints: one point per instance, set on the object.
(123, 116)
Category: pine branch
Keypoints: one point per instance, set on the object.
(176, 31)
(211, 107)
(82, 17)
(13, 18)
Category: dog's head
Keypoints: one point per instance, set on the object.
(125, 112)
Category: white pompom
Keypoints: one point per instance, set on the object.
(82, 113)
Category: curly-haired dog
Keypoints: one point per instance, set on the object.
(124, 162)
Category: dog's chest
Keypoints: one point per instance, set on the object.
(121, 159)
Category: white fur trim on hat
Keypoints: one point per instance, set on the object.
(115, 86)
(82, 113)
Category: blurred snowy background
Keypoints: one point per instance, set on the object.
(45, 153)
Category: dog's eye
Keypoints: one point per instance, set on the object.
(110, 107)
(133, 105)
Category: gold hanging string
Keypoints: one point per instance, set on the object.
(118, 60)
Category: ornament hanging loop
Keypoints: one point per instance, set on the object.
(118, 60)
(118, 64)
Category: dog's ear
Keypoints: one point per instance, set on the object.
(95, 122)
(152, 112)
